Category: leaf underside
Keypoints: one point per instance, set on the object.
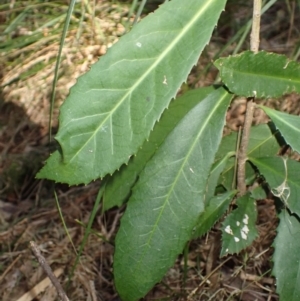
(112, 108)
(262, 75)
(168, 199)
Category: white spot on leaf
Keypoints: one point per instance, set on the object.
(238, 223)
(245, 229)
(104, 129)
(236, 239)
(228, 230)
(246, 219)
(244, 235)
(138, 44)
(165, 80)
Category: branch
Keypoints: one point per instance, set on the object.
(42, 261)
(254, 41)
(242, 155)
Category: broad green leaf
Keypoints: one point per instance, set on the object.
(168, 199)
(238, 230)
(215, 209)
(113, 107)
(119, 185)
(288, 125)
(286, 257)
(262, 143)
(261, 75)
(283, 177)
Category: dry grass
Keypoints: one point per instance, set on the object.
(29, 70)
(27, 206)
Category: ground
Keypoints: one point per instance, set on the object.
(28, 208)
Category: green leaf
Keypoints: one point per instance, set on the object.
(119, 185)
(238, 230)
(258, 193)
(283, 177)
(287, 124)
(227, 179)
(262, 143)
(215, 209)
(261, 75)
(286, 257)
(214, 176)
(168, 199)
(113, 107)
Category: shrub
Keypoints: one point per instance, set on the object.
(174, 166)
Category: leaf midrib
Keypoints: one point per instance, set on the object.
(180, 170)
(276, 172)
(278, 117)
(148, 71)
(270, 77)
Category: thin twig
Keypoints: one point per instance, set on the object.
(42, 261)
(194, 291)
(242, 155)
(254, 42)
(234, 182)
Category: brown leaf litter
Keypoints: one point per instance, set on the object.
(27, 206)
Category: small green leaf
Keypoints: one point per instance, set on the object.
(262, 75)
(283, 177)
(258, 193)
(112, 109)
(168, 199)
(227, 179)
(262, 143)
(288, 125)
(118, 186)
(238, 230)
(214, 176)
(215, 209)
(286, 258)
